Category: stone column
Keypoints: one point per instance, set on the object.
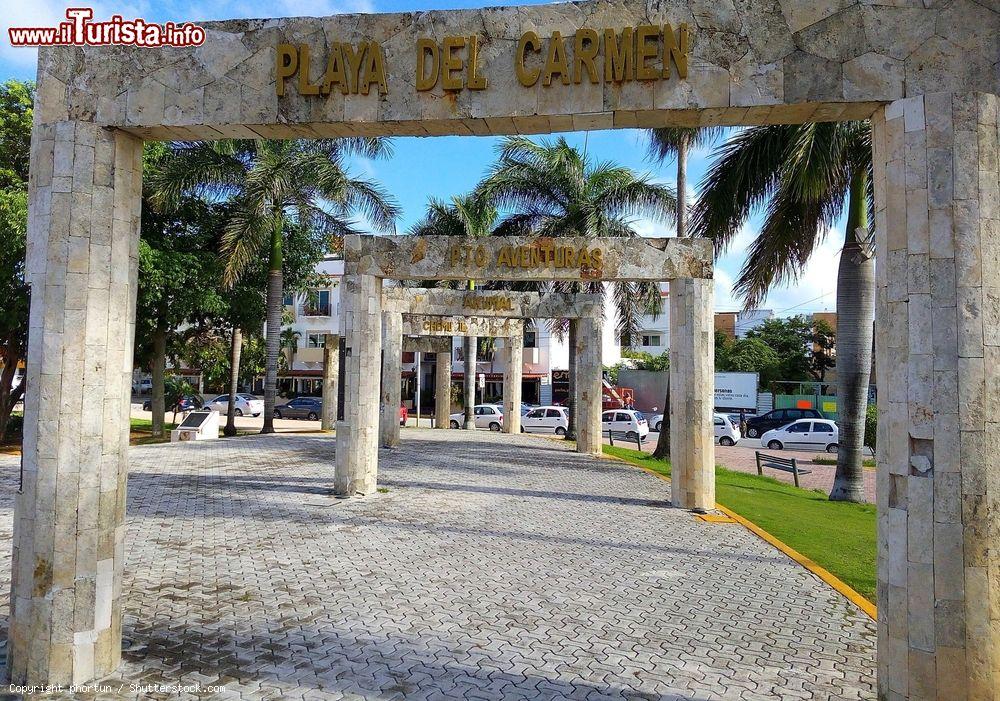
(692, 394)
(588, 388)
(937, 326)
(83, 226)
(512, 373)
(392, 369)
(469, 351)
(442, 388)
(357, 434)
(331, 373)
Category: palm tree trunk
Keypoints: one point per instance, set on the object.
(9, 395)
(274, 300)
(234, 380)
(855, 311)
(571, 399)
(662, 450)
(158, 401)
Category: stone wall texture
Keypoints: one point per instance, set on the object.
(750, 63)
(69, 523)
(692, 394)
(937, 187)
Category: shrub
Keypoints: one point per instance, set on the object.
(871, 426)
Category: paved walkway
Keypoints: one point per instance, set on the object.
(741, 458)
(504, 568)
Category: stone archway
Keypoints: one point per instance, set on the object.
(926, 75)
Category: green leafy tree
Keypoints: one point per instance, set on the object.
(665, 144)
(178, 278)
(273, 188)
(824, 343)
(803, 177)
(549, 188)
(790, 341)
(14, 292)
(16, 99)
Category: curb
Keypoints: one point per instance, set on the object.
(840, 586)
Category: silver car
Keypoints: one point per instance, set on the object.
(309, 408)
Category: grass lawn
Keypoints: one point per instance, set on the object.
(141, 430)
(836, 535)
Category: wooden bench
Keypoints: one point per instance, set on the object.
(777, 463)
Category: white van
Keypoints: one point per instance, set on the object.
(725, 432)
(625, 422)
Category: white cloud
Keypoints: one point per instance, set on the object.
(813, 290)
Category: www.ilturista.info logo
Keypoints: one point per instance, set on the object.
(79, 30)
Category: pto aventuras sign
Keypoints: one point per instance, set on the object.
(647, 52)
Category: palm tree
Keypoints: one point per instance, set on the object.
(802, 176)
(551, 189)
(472, 216)
(272, 186)
(666, 143)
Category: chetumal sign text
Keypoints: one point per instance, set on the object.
(646, 52)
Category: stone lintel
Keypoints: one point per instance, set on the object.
(490, 303)
(426, 344)
(528, 258)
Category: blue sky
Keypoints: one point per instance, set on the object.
(445, 166)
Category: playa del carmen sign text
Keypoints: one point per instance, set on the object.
(647, 52)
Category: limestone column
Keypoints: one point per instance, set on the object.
(692, 394)
(512, 373)
(442, 388)
(357, 434)
(937, 325)
(469, 351)
(588, 387)
(331, 373)
(83, 226)
(392, 369)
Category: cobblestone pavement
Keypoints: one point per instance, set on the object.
(499, 568)
(741, 458)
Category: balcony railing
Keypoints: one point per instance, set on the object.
(315, 310)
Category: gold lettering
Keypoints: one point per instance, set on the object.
(503, 256)
(481, 257)
(305, 87)
(584, 260)
(528, 42)
(462, 327)
(597, 258)
(374, 70)
(556, 62)
(618, 56)
(451, 63)
(354, 58)
(335, 74)
(678, 51)
(456, 255)
(570, 258)
(644, 50)
(427, 46)
(585, 49)
(476, 80)
(525, 253)
(286, 62)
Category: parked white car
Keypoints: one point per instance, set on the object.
(725, 432)
(805, 434)
(625, 422)
(656, 422)
(546, 419)
(487, 416)
(246, 405)
(142, 386)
